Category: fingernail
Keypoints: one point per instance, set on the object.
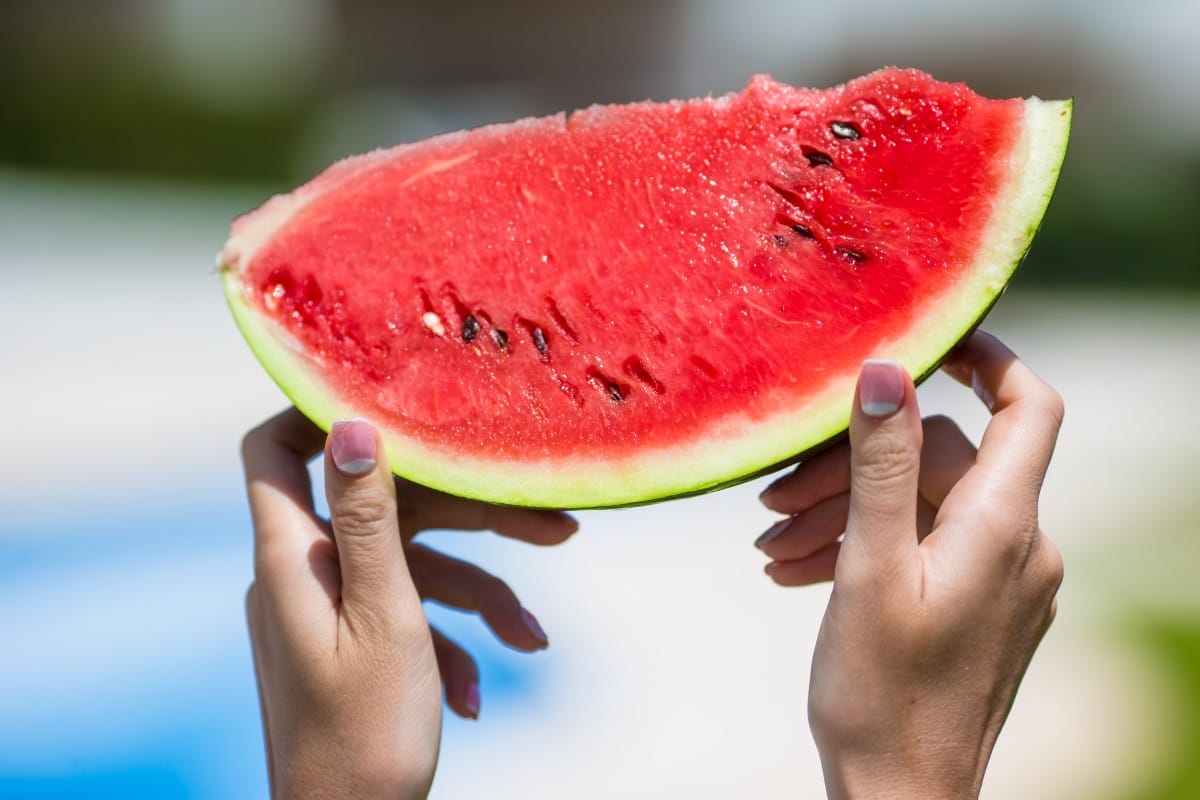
(880, 388)
(352, 446)
(981, 390)
(472, 700)
(773, 531)
(532, 625)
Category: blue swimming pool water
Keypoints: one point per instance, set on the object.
(128, 672)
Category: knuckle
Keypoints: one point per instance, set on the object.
(252, 607)
(1041, 398)
(1054, 404)
(362, 516)
(250, 443)
(493, 591)
(1053, 569)
(886, 462)
(1017, 532)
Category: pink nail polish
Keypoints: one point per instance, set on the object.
(534, 627)
(880, 388)
(472, 700)
(352, 447)
(773, 531)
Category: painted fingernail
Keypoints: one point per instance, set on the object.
(472, 700)
(981, 390)
(880, 388)
(352, 446)
(773, 531)
(532, 625)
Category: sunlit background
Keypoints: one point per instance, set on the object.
(132, 131)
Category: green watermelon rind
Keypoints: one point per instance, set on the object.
(735, 449)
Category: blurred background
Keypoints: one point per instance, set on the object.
(132, 131)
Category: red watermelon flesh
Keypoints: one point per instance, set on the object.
(640, 301)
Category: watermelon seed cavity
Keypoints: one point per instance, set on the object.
(606, 385)
(561, 321)
(634, 368)
(853, 256)
(816, 158)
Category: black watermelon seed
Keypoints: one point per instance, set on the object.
(845, 130)
(803, 231)
(607, 385)
(539, 340)
(781, 241)
(853, 256)
(500, 338)
(470, 328)
(817, 158)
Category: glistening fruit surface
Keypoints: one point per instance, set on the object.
(640, 301)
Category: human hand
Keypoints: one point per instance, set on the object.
(464, 586)
(347, 666)
(943, 584)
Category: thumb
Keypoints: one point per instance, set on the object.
(362, 512)
(885, 460)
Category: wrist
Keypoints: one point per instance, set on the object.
(911, 770)
(338, 770)
(330, 781)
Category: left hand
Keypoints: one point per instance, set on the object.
(345, 659)
(464, 586)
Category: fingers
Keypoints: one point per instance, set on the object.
(422, 508)
(815, 568)
(460, 676)
(465, 586)
(275, 457)
(1027, 414)
(801, 535)
(885, 444)
(804, 548)
(818, 478)
(946, 455)
(362, 513)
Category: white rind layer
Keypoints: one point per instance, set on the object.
(734, 448)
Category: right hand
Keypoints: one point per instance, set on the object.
(943, 584)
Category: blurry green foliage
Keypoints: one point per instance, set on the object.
(1123, 215)
(1172, 643)
(1126, 225)
(122, 119)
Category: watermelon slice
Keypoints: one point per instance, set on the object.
(642, 301)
